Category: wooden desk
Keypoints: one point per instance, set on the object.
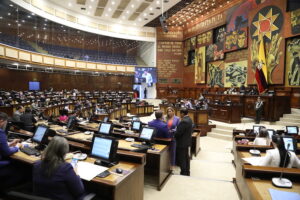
(225, 113)
(112, 187)
(195, 147)
(157, 169)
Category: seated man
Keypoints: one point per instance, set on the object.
(18, 113)
(161, 127)
(10, 174)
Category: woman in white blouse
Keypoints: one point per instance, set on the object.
(262, 138)
(276, 157)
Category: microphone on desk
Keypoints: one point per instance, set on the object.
(282, 182)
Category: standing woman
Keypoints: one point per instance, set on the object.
(55, 178)
(172, 122)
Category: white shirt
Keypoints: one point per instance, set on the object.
(148, 78)
(261, 141)
(272, 159)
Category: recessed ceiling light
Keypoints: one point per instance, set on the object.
(29, 16)
(8, 14)
(127, 11)
(32, 14)
(11, 5)
(109, 9)
(70, 4)
(106, 15)
(132, 6)
(113, 3)
(157, 2)
(92, 0)
(140, 19)
(90, 7)
(151, 8)
(145, 14)
(88, 13)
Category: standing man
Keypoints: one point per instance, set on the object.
(258, 109)
(183, 136)
(148, 78)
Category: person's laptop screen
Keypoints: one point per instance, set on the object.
(293, 130)
(136, 125)
(271, 132)
(256, 129)
(147, 133)
(101, 147)
(289, 143)
(39, 134)
(104, 128)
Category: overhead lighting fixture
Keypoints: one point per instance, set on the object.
(70, 4)
(8, 14)
(109, 9)
(90, 7)
(113, 3)
(132, 6)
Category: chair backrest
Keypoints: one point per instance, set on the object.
(14, 195)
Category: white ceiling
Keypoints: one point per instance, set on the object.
(126, 12)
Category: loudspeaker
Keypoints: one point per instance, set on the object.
(163, 23)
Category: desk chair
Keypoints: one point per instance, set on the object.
(14, 195)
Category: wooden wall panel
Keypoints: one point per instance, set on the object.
(18, 80)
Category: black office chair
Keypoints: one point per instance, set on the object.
(14, 195)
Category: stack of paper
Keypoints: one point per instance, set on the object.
(88, 171)
(253, 160)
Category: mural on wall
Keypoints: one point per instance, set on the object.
(216, 51)
(236, 39)
(186, 49)
(215, 75)
(295, 21)
(266, 23)
(236, 73)
(204, 39)
(193, 42)
(200, 65)
(293, 62)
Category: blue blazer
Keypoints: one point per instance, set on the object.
(162, 130)
(5, 150)
(64, 184)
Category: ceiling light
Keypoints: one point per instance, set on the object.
(11, 5)
(132, 6)
(8, 14)
(70, 4)
(90, 7)
(32, 14)
(35, 27)
(106, 15)
(127, 11)
(29, 16)
(88, 12)
(140, 19)
(145, 14)
(113, 3)
(109, 9)
(150, 8)
(92, 0)
(157, 2)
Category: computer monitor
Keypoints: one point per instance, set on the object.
(256, 129)
(39, 134)
(292, 130)
(71, 122)
(135, 119)
(147, 134)
(271, 132)
(136, 126)
(289, 143)
(106, 119)
(105, 128)
(104, 150)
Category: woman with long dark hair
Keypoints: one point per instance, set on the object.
(280, 157)
(53, 177)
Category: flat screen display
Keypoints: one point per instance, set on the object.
(104, 128)
(147, 133)
(101, 147)
(288, 143)
(145, 75)
(136, 125)
(256, 129)
(39, 134)
(34, 85)
(292, 130)
(271, 133)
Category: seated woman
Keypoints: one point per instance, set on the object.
(262, 138)
(63, 115)
(53, 177)
(276, 157)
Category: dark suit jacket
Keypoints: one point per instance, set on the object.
(183, 134)
(162, 130)
(28, 119)
(64, 184)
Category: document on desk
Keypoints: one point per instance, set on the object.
(282, 195)
(88, 171)
(255, 161)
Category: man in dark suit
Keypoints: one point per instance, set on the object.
(183, 136)
(162, 130)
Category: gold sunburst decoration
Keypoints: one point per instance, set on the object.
(265, 24)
